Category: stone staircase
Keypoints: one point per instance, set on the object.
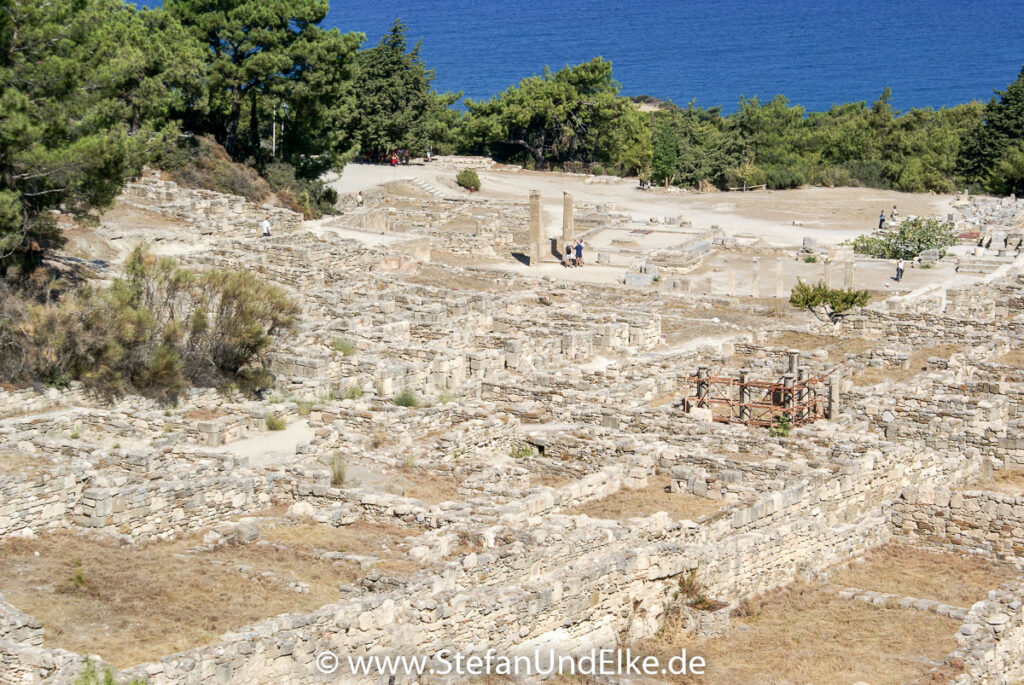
(429, 188)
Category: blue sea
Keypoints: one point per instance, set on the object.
(932, 53)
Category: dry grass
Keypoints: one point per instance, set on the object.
(918, 362)
(431, 488)
(626, 504)
(1013, 358)
(1008, 481)
(204, 414)
(837, 348)
(806, 635)
(549, 480)
(141, 604)
(926, 574)
(23, 464)
(384, 540)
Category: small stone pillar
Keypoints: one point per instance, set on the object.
(568, 223)
(536, 233)
(831, 397)
(732, 284)
(780, 289)
(787, 395)
(802, 394)
(703, 386)
(848, 274)
(794, 360)
(828, 274)
(744, 395)
(755, 283)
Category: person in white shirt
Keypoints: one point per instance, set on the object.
(899, 270)
(265, 226)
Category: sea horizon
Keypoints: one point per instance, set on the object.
(930, 54)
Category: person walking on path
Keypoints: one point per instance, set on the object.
(899, 270)
(265, 227)
(881, 219)
(579, 253)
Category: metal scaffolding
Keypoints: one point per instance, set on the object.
(798, 395)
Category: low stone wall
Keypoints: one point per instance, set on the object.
(974, 521)
(206, 209)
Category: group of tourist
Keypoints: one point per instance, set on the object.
(573, 254)
(881, 217)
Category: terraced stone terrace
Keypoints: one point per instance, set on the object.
(474, 455)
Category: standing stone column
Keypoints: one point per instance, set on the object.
(732, 284)
(828, 274)
(536, 234)
(568, 223)
(780, 289)
(755, 283)
(744, 395)
(848, 274)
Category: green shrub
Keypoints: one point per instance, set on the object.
(275, 423)
(783, 178)
(810, 259)
(155, 330)
(468, 178)
(781, 427)
(446, 396)
(344, 346)
(407, 398)
(352, 392)
(338, 469)
(746, 175)
(521, 451)
(911, 239)
(200, 162)
(821, 300)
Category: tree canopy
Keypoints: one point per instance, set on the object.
(396, 107)
(84, 99)
(572, 115)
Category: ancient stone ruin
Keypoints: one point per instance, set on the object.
(478, 457)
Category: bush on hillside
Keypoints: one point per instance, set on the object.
(155, 330)
(468, 178)
(313, 198)
(200, 162)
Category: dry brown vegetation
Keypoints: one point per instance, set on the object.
(626, 504)
(926, 574)
(1009, 481)
(918, 362)
(807, 635)
(1014, 358)
(365, 538)
(429, 487)
(23, 463)
(136, 604)
(548, 480)
(837, 347)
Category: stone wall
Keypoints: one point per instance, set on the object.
(207, 210)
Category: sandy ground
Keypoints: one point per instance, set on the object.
(829, 215)
(273, 448)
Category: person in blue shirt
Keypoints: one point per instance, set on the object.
(579, 253)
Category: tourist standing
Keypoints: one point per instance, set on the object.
(899, 270)
(567, 259)
(881, 219)
(359, 199)
(265, 227)
(579, 253)
(894, 213)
